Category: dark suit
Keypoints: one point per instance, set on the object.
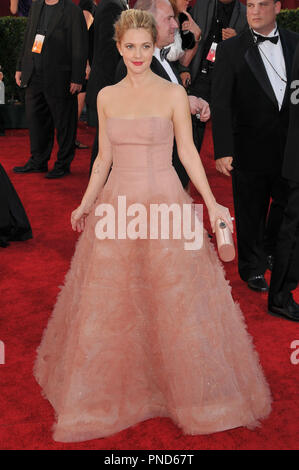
(158, 69)
(105, 58)
(248, 125)
(285, 274)
(49, 102)
(203, 13)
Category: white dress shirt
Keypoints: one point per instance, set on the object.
(165, 65)
(274, 54)
(176, 51)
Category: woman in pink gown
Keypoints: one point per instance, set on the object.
(144, 327)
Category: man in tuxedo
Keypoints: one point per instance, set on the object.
(166, 26)
(105, 58)
(51, 67)
(2, 129)
(218, 20)
(285, 274)
(250, 109)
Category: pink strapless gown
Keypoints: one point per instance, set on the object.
(144, 328)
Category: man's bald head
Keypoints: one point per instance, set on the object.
(164, 16)
(150, 5)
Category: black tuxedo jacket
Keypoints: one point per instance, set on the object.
(156, 67)
(247, 123)
(65, 48)
(105, 55)
(291, 158)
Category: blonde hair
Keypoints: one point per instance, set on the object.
(174, 7)
(135, 19)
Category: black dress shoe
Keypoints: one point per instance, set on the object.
(270, 262)
(289, 310)
(258, 283)
(29, 168)
(57, 173)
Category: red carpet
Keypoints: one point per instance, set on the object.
(30, 275)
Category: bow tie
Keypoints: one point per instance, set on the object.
(260, 38)
(163, 52)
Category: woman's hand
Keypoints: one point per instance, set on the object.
(220, 212)
(190, 25)
(78, 218)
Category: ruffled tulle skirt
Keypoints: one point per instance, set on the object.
(145, 328)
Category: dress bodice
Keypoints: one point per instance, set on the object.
(141, 143)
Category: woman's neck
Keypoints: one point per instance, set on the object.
(140, 80)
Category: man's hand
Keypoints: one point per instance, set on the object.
(186, 79)
(75, 88)
(193, 102)
(18, 76)
(224, 165)
(198, 105)
(228, 33)
(204, 110)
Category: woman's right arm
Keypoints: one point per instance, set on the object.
(100, 169)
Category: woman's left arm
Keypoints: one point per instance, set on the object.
(191, 159)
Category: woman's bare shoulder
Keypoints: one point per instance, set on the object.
(177, 90)
(173, 89)
(109, 96)
(106, 92)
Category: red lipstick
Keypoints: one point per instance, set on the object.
(138, 63)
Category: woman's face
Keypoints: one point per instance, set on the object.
(182, 5)
(137, 48)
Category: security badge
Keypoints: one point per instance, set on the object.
(38, 43)
(212, 52)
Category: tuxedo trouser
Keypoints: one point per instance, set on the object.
(45, 113)
(258, 219)
(285, 274)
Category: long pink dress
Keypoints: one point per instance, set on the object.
(144, 328)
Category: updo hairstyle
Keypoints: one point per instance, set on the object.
(135, 19)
